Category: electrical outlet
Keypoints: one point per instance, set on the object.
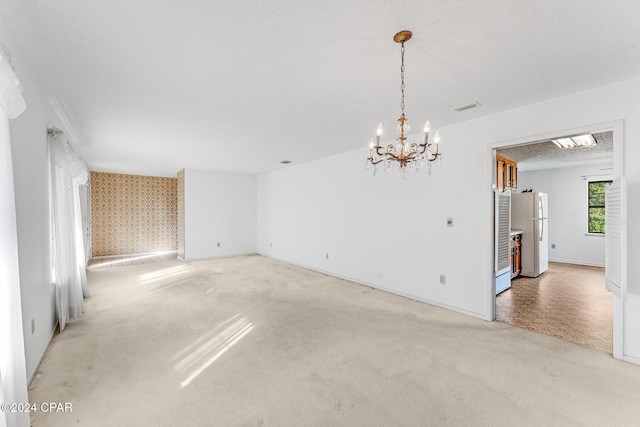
(449, 222)
(218, 244)
(442, 279)
(327, 256)
(33, 326)
(553, 246)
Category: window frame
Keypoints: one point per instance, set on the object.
(590, 206)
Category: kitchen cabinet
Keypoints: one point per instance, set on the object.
(507, 174)
(516, 245)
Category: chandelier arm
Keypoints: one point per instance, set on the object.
(391, 156)
(378, 148)
(402, 158)
(433, 156)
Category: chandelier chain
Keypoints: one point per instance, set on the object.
(402, 79)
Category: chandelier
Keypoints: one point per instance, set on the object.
(404, 156)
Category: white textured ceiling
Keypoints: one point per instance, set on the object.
(152, 86)
(546, 155)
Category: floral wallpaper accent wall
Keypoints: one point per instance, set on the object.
(133, 214)
(181, 214)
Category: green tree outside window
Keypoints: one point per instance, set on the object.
(596, 206)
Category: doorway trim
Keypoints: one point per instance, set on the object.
(617, 127)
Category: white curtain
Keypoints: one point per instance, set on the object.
(13, 377)
(68, 173)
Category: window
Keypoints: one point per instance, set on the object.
(596, 206)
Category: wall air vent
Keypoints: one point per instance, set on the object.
(467, 106)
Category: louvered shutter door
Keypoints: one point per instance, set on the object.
(615, 217)
(503, 231)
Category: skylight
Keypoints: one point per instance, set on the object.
(575, 141)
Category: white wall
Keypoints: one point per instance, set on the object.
(392, 234)
(568, 213)
(85, 212)
(383, 231)
(219, 207)
(31, 180)
(13, 376)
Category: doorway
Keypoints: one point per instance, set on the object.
(569, 300)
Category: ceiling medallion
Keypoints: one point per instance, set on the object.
(404, 156)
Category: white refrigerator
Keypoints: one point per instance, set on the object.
(529, 214)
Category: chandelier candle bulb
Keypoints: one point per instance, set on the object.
(379, 133)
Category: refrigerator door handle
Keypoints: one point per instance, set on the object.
(541, 216)
(540, 207)
(541, 228)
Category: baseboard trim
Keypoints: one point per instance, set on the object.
(588, 264)
(216, 257)
(631, 359)
(385, 289)
(34, 370)
(172, 251)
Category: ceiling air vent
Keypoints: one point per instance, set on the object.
(467, 106)
(285, 162)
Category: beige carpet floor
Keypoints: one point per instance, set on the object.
(250, 341)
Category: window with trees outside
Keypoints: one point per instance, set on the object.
(596, 206)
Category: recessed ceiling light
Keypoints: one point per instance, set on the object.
(467, 106)
(285, 162)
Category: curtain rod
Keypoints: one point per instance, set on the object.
(54, 130)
